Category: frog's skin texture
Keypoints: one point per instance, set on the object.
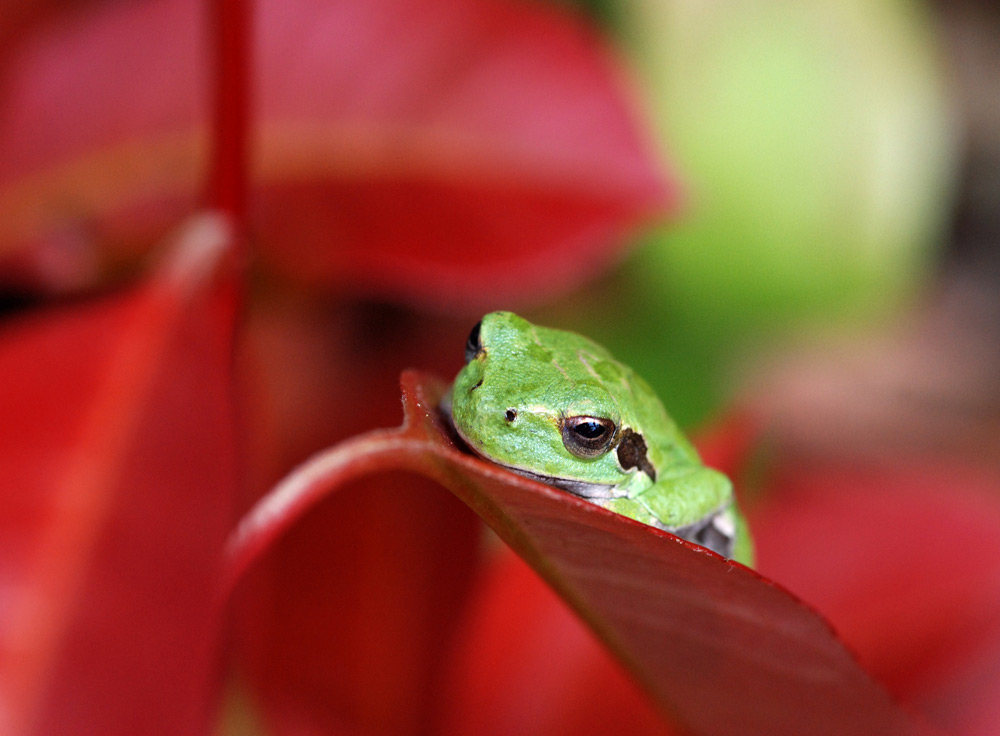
(554, 406)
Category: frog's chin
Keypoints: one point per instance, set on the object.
(715, 530)
(581, 488)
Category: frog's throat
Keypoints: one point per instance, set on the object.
(715, 530)
(581, 488)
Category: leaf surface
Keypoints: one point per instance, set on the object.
(720, 649)
(415, 148)
(926, 618)
(119, 479)
(521, 644)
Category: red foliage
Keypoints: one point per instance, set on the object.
(119, 489)
(411, 148)
(448, 153)
(903, 560)
(717, 647)
(404, 148)
(526, 664)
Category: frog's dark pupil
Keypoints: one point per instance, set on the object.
(472, 345)
(588, 437)
(589, 430)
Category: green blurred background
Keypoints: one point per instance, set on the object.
(839, 190)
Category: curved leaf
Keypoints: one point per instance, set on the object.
(346, 624)
(719, 648)
(926, 618)
(520, 644)
(119, 479)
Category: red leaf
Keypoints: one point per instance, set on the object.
(718, 647)
(119, 483)
(458, 151)
(904, 561)
(727, 444)
(525, 665)
(346, 625)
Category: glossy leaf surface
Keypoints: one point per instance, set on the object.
(527, 665)
(719, 649)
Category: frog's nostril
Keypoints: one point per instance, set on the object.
(478, 384)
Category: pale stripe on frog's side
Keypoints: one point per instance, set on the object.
(558, 408)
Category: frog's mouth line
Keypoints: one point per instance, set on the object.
(715, 531)
(583, 489)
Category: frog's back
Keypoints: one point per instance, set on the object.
(667, 444)
(580, 358)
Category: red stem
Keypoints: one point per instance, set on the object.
(227, 183)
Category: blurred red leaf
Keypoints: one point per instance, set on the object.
(525, 665)
(718, 648)
(346, 624)
(119, 479)
(729, 443)
(926, 618)
(409, 147)
(18, 16)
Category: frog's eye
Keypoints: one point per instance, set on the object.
(473, 346)
(588, 437)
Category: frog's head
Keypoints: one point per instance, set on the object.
(543, 402)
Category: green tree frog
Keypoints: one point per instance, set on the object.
(555, 406)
